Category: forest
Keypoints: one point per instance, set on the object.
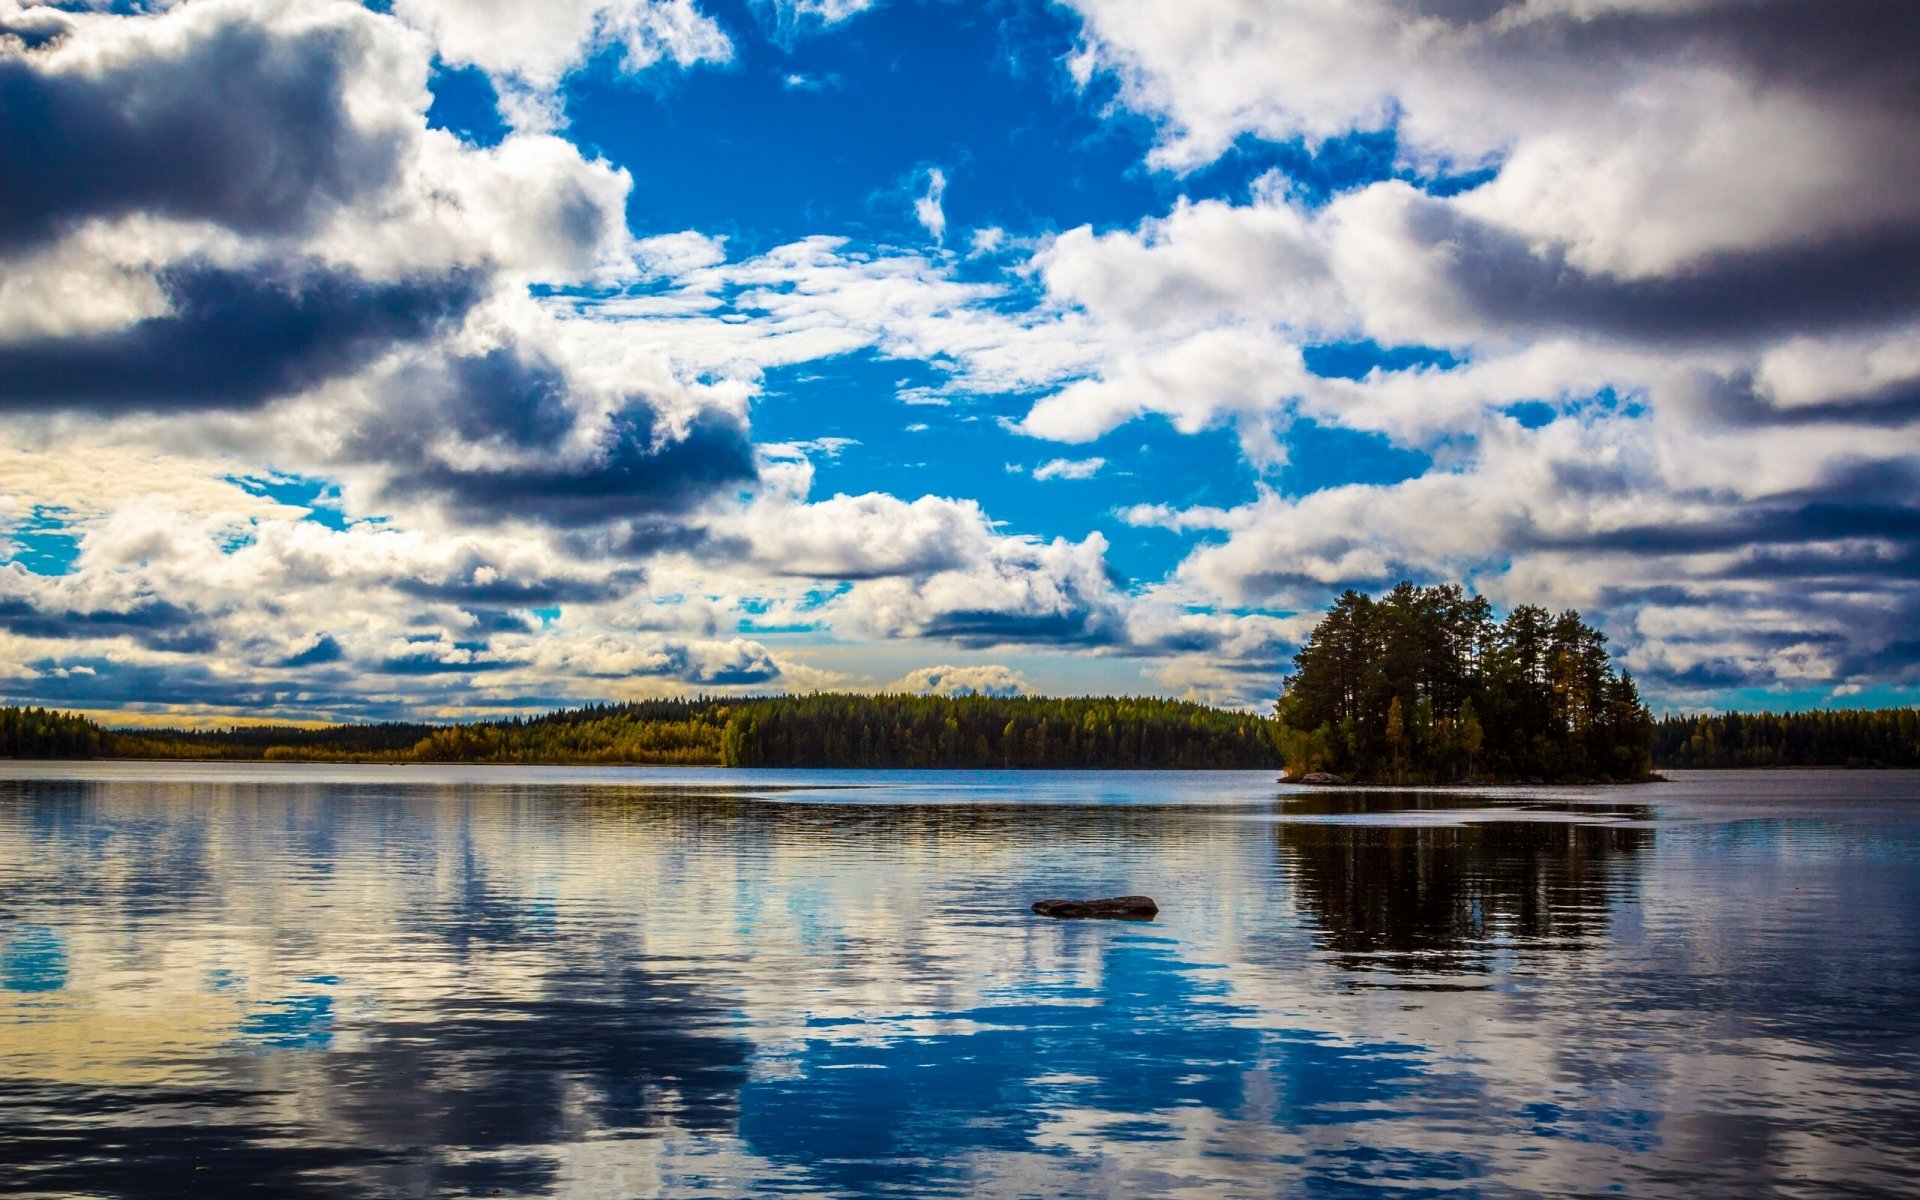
(1888, 737)
(1446, 737)
(1423, 685)
(991, 731)
(789, 731)
(43, 733)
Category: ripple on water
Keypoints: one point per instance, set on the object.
(420, 981)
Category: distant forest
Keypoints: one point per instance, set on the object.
(988, 731)
(931, 731)
(1887, 737)
(42, 733)
(1422, 685)
(791, 731)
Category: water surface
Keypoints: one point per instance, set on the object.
(423, 981)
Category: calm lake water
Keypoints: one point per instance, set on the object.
(362, 981)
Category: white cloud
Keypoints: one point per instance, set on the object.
(529, 49)
(928, 210)
(948, 680)
(1065, 468)
(867, 537)
(1691, 249)
(1639, 136)
(787, 21)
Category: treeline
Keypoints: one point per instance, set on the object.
(661, 733)
(1512, 704)
(43, 733)
(1887, 737)
(1423, 686)
(990, 731)
(797, 731)
(386, 742)
(647, 733)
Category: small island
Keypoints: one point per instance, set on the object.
(1423, 685)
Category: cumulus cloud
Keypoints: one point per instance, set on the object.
(1055, 593)
(1561, 95)
(297, 243)
(1643, 292)
(1066, 468)
(872, 536)
(184, 606)
(530, 49)
(948, 680)
(231, 339)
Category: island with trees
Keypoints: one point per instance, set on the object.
(1423, 685)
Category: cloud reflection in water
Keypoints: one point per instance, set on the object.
(423, 984)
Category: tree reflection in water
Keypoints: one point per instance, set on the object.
(1408, 900)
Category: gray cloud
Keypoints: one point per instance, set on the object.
(154, 623)
(1863, 47)
(323, 652)
(427, 663)
(244, 127)
(1736, 401)
(1841, 282)
(234, 338)
(521, 404)
(94, 681)
(990, 627)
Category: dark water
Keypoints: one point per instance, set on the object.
(365, 982)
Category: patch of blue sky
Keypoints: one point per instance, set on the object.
(1317, 172)
(466, 105)
(965, 450)
(1356, 360)
(756, 607)
(320, 497)
(119, 8)
(1328, 456)
(44, 543)
(820, 597)
(1532, 414)
(761, 149)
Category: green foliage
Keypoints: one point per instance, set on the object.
(1423, 685)
(991, 731)
(280, 743)
(41, 733)
(1888, 737)
(791, 731)
(661, 733)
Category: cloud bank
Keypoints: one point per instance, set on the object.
(313, 405)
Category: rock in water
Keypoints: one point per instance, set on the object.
(1121, 908)
(1317, 777)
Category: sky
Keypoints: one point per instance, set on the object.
(441, 358)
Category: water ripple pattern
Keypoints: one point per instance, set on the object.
(341, 981)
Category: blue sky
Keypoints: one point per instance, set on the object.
(432, 358)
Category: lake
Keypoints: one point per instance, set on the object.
(234, 980)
